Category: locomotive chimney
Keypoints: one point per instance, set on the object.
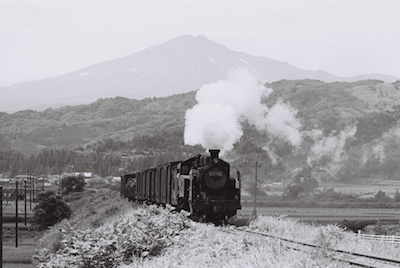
(214, 154)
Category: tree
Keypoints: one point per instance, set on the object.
(295, 190)
(49, 210)
(309, 185)
(379, 195)
(72, 184)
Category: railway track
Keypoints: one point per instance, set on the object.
(352, 258)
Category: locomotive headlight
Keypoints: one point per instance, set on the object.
(215, 178)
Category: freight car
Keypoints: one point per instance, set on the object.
(204, 185)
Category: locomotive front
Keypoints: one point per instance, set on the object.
(214, 190)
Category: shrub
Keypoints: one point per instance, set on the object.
(49, 210)
(72, 184)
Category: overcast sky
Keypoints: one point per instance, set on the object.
(40, 39)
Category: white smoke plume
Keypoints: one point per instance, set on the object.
(281, 121)
(382, 148)
(379, 152)
(331, 146)
(214, 122)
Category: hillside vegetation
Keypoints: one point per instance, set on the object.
(349, 130)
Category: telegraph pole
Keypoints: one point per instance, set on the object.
(16, 214)
(30, 192)
(1, 226)
(255, 194)
(25, 202)
(33, 187)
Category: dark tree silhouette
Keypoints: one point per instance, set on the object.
(355, 226)
(72, 184)
(49, 210)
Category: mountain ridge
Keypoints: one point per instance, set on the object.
(177, 66)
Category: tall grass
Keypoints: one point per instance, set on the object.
(325, 236)
(107, 231)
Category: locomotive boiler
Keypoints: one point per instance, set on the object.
(204, 185)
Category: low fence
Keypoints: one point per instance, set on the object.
(380, 238)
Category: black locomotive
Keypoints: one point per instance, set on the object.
(204, 185)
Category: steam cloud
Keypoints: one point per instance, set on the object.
(331, 146)
(214, 122)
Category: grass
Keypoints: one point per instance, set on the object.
(326, 214)
(208, 246)
(325, 236)
(153, 237)
(107, 231)
(22, 255)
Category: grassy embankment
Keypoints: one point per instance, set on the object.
(107, 231)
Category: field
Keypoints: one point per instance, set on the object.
(365, 188)
(21, 256)
(327, 215)
(18, 257)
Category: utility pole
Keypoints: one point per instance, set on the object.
(1, 226)
(33, 187)
(25, 202)
(255, 194)
(30, 192)
(284, 188)
(59, 181)
(16, 214)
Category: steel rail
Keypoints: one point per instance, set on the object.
(391, 261)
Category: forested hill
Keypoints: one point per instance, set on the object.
(348, 129)
(76, 126)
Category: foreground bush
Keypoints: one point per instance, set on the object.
(136, 234)
(49, 210)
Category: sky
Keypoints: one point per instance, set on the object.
(46, 38)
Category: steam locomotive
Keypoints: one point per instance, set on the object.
(204, 185)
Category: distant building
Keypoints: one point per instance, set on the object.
(86, 175)
(25, 177)
(115, 180)
(4, 182)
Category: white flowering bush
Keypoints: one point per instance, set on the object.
(136, 234)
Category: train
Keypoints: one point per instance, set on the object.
(204, 185)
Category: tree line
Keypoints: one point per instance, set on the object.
(106, 157)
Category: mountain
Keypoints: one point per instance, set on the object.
(181, 65)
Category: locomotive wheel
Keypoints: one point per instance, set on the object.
(182, 204)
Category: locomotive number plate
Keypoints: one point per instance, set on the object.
(216, 173)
